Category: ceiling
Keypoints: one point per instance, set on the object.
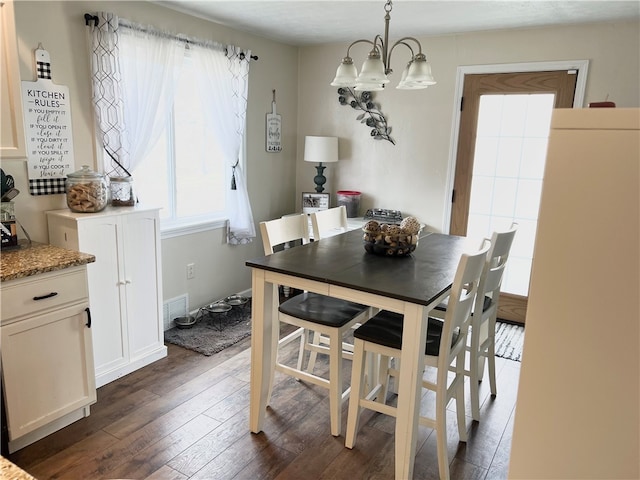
(304, 23)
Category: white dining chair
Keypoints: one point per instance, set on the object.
(444, 350)
(329, 222)
(312, 312)
(482, 341)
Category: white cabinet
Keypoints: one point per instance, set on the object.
(47, 361)
(125, 283)
(12, 140)
(577, 413)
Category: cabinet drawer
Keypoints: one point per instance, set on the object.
(46, 291)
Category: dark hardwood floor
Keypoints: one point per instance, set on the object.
(186, 417)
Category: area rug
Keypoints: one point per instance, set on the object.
(213, 332)
(509, 339)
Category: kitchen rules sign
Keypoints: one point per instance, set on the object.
(47, 118)
(273, 129)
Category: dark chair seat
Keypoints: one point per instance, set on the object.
(485, 305)
(386, 329)
(321, 309)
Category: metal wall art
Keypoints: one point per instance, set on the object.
(371, 116)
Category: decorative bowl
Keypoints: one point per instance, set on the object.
(391, 240)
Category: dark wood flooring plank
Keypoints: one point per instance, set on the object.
(166, 473)
(56, 465)
(266, 466)
(160, 453)
(205, 450)
(193, 399)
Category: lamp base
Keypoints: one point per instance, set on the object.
(320, 179)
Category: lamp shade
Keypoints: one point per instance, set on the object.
(372, 70)
(420, 72)
(345, 74)
(320, 149)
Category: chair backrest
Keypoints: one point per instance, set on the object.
(329, 222)
(493, 272)
(461, 300)
(283, 230)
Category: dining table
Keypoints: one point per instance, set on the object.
(340, 267)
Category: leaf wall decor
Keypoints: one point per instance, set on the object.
(371, 116)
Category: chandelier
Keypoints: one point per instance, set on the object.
(377, 66)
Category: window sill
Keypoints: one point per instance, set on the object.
(181, 230)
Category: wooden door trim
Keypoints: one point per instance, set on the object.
(581, 65)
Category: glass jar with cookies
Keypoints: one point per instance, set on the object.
(87, 191)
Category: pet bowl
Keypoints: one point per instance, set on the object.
(236, 300)
(185, 322)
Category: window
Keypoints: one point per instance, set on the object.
(185, 171)
(171, 110)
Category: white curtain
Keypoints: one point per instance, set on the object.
(226, 106)
(131, 92)
(106, 83)
(149, 70)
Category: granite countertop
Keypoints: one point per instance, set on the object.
(27, 260)
(10, 471)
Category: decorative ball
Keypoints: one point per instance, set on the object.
(371, 227)
(411, 225)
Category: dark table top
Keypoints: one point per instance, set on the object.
(341, 260)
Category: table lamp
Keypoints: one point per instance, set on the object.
(321, 150)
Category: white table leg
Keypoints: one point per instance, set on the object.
(261, 348)
(409, 390)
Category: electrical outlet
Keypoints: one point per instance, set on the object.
(191, 270)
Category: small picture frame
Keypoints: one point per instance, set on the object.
(314, 202)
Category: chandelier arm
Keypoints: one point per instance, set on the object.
(402, 41)
(362, 40)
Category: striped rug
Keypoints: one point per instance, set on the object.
(509, 339)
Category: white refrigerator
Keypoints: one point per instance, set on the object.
(577, 414)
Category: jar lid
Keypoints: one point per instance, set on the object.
(86, 173)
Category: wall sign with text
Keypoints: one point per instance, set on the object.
(273, 132)
(47, 119)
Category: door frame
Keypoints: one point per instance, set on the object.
(581, 65)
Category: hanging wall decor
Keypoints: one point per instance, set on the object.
(47, 124)
(371, 116)
(273, 129)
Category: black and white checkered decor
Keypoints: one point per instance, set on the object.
(44, 70)
(46, 186)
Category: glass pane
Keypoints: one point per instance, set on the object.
(151, 178)
(199, 169)
(514, 129)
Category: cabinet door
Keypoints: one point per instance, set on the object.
(102, 237)
(143, 291)
(12, 140)
(49, 353)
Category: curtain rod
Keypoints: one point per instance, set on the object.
(88, 18)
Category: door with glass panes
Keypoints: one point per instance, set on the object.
(502, 143)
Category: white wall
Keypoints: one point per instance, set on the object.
(412, 175)
(220, 269)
